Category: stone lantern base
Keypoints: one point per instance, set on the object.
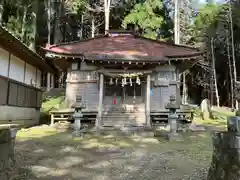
(175, 137)
(7, 142)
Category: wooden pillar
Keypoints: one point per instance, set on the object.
(52, 119)
(148, 120)
(52, 81)
(100, 101)
(48, 81)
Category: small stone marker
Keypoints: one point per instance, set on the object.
(206, 112)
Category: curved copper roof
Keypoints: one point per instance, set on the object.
(123, 46)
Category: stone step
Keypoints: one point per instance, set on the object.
(117, 118)
(123, 113)
(121, 119)
(124, 122)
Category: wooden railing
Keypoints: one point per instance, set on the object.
(15, 93)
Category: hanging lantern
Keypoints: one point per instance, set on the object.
(138, 81)
(111, 81)
(130, 81)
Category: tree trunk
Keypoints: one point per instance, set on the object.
(24, 23)
(34, 25)
(230, 72)
(233, 49)
(49, 12)
(2, 2)
(107, 14)
(57, 33)
(93, 29)
(214, 72)
(176, 23)
(81, 29)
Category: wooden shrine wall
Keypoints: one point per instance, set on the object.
(160, 96)
(163, 84)
(83, 82)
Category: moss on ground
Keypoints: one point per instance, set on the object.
(42, 148)
(52, 102)
(220, 118)
(44, 153)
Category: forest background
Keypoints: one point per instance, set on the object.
(212, 26)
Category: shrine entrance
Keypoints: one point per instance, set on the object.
(124, 94)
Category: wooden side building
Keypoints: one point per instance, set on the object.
(123, 78)
(21, 72)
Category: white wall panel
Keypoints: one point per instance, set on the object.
(4, 60)
(30, 74)
(39, 78)
(16, 69)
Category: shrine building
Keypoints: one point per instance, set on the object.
(123, 78)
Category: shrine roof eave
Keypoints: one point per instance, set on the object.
(10, 43)
(122, 58)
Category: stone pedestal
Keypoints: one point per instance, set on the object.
(77, 121)
(172, 119)
(233, 124)
(226, 157)
(226, 153)
(174, 135)
(78, 106)
(7, 140)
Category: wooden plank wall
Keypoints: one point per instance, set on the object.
(88, 91)
(14, 93)
(160, 96)
(161, 93)
(83, 82)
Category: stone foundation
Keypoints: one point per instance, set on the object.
(7, 140)
(24, 116)
(226, 153)
(226, 157)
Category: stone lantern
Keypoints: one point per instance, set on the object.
(7, 142)
(172, 106)
(78, 106)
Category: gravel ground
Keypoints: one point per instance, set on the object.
(44, 154)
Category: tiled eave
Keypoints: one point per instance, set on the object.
(124, 59)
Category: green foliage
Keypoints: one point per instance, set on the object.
(52, 102)
(206, 20)
(147, 17)
(238, 113)
(76, 6)
(14, 27)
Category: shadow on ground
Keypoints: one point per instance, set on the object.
(43, 153)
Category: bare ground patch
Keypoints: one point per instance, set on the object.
(44, 154)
